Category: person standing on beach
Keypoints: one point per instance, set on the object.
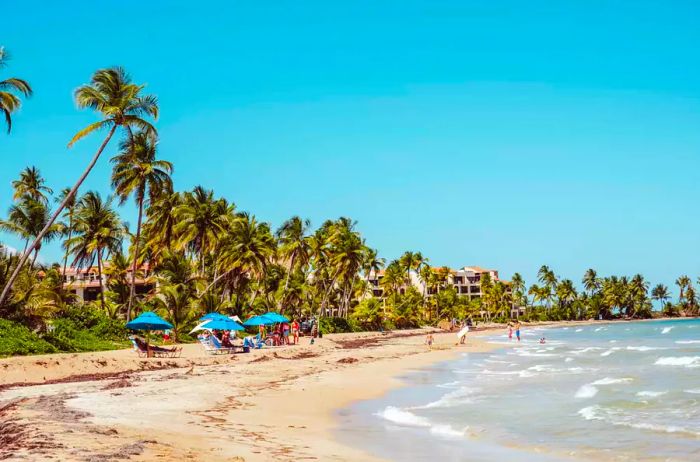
(517, 330)
(510, 331)
(295, 331)
(429, 341)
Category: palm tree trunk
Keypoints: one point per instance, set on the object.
(132, 289)
(99, 277)
(36, 255)
(55, 216)
(286, 284)
(65, 256)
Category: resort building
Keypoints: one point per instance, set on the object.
(466, 281)
(85, 282)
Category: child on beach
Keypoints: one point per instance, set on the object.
(429, 341)
(510, 331)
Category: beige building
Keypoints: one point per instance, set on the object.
(466, 281)
(85, 282)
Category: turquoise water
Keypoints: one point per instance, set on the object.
(619, 391)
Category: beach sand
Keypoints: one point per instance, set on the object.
(271, 404)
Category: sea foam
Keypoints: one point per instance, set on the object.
(586, 391)
(687, 361)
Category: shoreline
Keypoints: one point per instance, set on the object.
(280, 401)
(277, 403)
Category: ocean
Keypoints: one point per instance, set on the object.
(615, 391)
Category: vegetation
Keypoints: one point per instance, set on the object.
(199, 253)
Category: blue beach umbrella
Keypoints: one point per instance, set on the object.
(212, 315)
(222, 323)
(149, 321)
(275, 316)
(260, 320)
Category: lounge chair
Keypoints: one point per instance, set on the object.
(253, 342)
(217, 347)
(144, 350)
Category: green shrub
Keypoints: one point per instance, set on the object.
(67, 335)
(335, 325)
(16, 339)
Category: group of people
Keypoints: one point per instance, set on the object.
(514, 327)
(281, 333)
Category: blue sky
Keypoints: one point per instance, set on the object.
(505, 134)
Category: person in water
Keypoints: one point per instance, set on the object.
(543, 340)
(510, 331)
(517, 330)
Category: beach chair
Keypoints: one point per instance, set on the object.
(208, 347)
(144, 350)
(253, 342)
(218, 348)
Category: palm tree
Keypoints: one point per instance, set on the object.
(518, 288)
(566, 292)
(660, 293)
(411, 261)
(137, 171)
(159, 229)
(69, 214)
(27, 219)
(549, 281)
(682, 282)
(31, 184)
(9, 102)
(294, 247)
(248, 248)
(98, 233)
(112, 94)
(590, 281)
(202, 220)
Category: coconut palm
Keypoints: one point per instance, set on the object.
(566, 292)
(660, 293)
(159, 229)
(31, 184)
(9, 101)
(248, 249)
(202, 221)
(682, 282)
(68, 214)
(98, 233)
(120, 103)
(518, 288)
(294, 247)
(137, 172)
(27, 219)
(411, 261)
(549, 281)
(590, 281)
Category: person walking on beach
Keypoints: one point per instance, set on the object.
(429, 341)
(510, 331)
(517, 330)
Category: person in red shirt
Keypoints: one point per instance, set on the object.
(295, 331)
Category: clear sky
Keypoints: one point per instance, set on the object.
(504, 134)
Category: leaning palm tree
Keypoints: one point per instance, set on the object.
(69, 214)
(121, 105)
(9, 101)
(98, 233)
(138, 172)
(31, 184)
